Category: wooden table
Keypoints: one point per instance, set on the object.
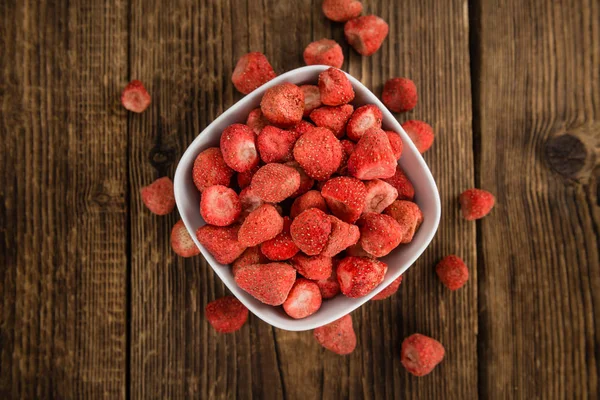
(96, 305)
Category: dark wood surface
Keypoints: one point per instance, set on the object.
(95, 304)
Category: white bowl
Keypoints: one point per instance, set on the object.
(426, 196)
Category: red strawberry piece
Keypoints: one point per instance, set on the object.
(366, 34)
(226, 314)
(260, 225)
(268, 283)
(372, 157)
(408, 215)
(389, 289)
(347, 149)
(181, 241)
(403, 185)
(342, 10)
(245, 178)
(221, 242)
(312, 98)
(324, 52)
(303, 300)
(251, 256)
(335, 87)
(329, 287)
(319, 153)
(333, 118)
(256, 121)
(301, 128)
(316, 267)
(275, 145)
(220, 205)
(275, 182)
(281, 247)
(238, 147)
(363, 119)
(210, 169)
(306, 182)
(399, 95)
(310, 199)
(251, 71)
(358, 276)
(421, 134)
(135, 97)
(395, 143)
(420, 354)
(476, 203)
(380, 194)
(159, 196)
(338, 336)
(345, 197)
(343, 235)
(249, 202)
(357, 251)
(283, 105)
(379, 234)
(453, 272)
(310, 231)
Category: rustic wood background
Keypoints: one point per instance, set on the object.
(94, 304)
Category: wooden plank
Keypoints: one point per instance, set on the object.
(539, 289)
(63, 211)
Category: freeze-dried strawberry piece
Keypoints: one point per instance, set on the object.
(301, 128)
(221, 242)
(275, 182)
(251, 256)
(335, 87)
(362, 120)
(226, 314)
(303, 300)
(329, 287)
(262, 224)
(251, 71)
(343, 235)
(453, 272)
(268, 283)
(338, 336)
(380, 194)
(281, 247)
(220, 205)
(238, 147)
(358, 276)
(275, 145)
(310, 231)
(324, 52)
(342, 10)
(306, 182)
(403, 185)
(408, 215)
(476, 203)
(357, 251)
(389, 289)
(395, 143)
(345, 197)
(159, 196)
(316, 267)
(312, 98)
(399, 95)
(249, 201)
(283, 105)
(319, 153)
(181, 241)
(347, 149)
(372, 157)
(135, 97)
(333, 118)
(379, 234)
(421, 354)
(421, 134)
(210, 169)
(245, 178)
(256, 121)
(310, 199)
(366, 34)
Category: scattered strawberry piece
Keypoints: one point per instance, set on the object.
(221, 242)
(420, 354)
(379, 234)
(159, 196)
(366, 33)
(249, 202)
(303, 300)
(275, 145)
(268, 283)
(395, 143)
(281, 247)
(342, 10)
(333, 118)
(220, 205)
(345, 197)
(399, 95)
(338, 336)
(135, 97)
(312, 98)
(306, 182)
(260, 225)
(245, 178)
(408, 215)
(389, 289)
(372, 157)
(238, 147)
(421, 134)
(251, 256)
(283, 105)
(358, 276)
(210, 169)
(380, 194)
(357, 251)
(275, 182)
(329, 287)
(453, 272)
(256, 121)
(181, 241)
(310, 231)
(343, 235)
(476, 203)
(310, 199)
(324, 52)
(363, 119)
(335, 87)
(316, 267)
(347, 149)
(251, 71)
(226, 314)
(301, 128)
(319, 153)
(403, 185)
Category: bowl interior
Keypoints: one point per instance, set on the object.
(399, 260)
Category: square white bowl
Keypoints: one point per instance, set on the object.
(399, 260)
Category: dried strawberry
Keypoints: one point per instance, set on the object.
(210, 169)
(319, 153)
(135, 97)
(362, 120)
(358, 276)
(306, 182)
(275, 182)
(312, 98)
(421, 134)
(476, 203)
(372, 157)
(249, 202)
(283, 105)
(399, 95)
(226, 314)
(389, 289)
(366, 34)
(256, 121)
(453, 272)
(159, 196)
(347, 149)
(301, 128)
(380, 194)
(338, 336)
(251, 71)
(395, 143)
(333, 118)
(379, 234)
(221, 242)
(275, 145)
(316, 267)
(335, 87)
(260, 225)
(403, 185)
(220, 205)
(310, 231)
(268, 283)
(345, 197)
(238, 146)
(303, 300)
(343, 235)
(281, 247)
(181, 241)
(342, 10)
(251, 256)
(245, 178)
(329, 287)
(324, 52)
(408, 215)
(421, 354)
(310, 199)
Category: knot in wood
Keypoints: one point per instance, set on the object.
(566, 155)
